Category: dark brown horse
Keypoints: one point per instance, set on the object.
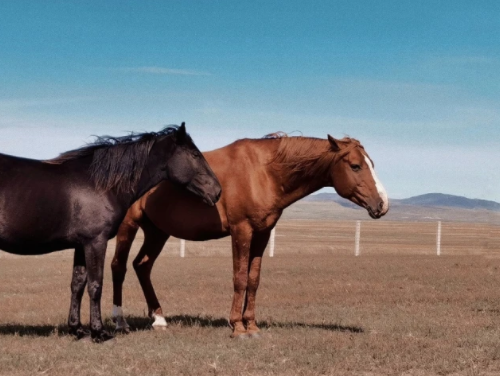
(79, 200)
(259, 178)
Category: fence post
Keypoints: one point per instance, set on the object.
(183, 248)
(356, 238)
(271, 242)
(438, 239)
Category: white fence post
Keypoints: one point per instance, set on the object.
(356, 238)
(183, 248)
(438, 239)
(271, 242)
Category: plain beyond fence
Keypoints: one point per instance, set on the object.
(365, 237)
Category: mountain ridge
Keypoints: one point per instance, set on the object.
(426, 200)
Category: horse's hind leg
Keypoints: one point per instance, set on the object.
(259, 243)
(95, 253)
(78, 282)
(154, 240)
(124, 238)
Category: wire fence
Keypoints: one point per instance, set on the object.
(374, 237)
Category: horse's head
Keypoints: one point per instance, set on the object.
(353, 177)
(188, 168)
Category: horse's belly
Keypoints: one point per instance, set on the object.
(185, 224)
(29, 248)
(193, 230)
(179, 213)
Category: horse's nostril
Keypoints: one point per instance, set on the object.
(217, 196)
(381, 205)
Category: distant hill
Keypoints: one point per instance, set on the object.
(444, 200)
(426, 200)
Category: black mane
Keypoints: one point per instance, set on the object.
(117, 162)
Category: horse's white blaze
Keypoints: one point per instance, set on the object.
(380, 188)
(159, 320)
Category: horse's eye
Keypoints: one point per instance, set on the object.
(355, 167)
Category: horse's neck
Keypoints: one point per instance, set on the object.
(295, 193)
(300, 174)
(152, 173)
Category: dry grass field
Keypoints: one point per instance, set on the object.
(398, 309)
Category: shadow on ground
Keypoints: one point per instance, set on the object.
(33, 330)
(138, 323)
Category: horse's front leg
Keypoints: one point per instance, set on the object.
(258, 246)
(95, 252)
(78, 282)
(241, 238)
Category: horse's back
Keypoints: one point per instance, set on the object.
(16, 171)
(40, 204)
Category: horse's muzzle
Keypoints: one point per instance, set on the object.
(379, 211)
(208, 191)
(212, 199)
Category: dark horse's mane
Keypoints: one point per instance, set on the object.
(117, 162)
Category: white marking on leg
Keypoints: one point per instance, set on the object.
(159, 320)
(117, 311)
(380, 188)
(118, 319)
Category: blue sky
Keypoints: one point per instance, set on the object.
(417, 82)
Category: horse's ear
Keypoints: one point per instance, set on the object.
(181, 132)
(334, 143)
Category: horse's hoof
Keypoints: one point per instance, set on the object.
(121, 325)
(160, 328)
(101, 336)
(240, 336)
(80, 333)
(254, 335)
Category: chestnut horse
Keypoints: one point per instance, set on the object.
(259, 178)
